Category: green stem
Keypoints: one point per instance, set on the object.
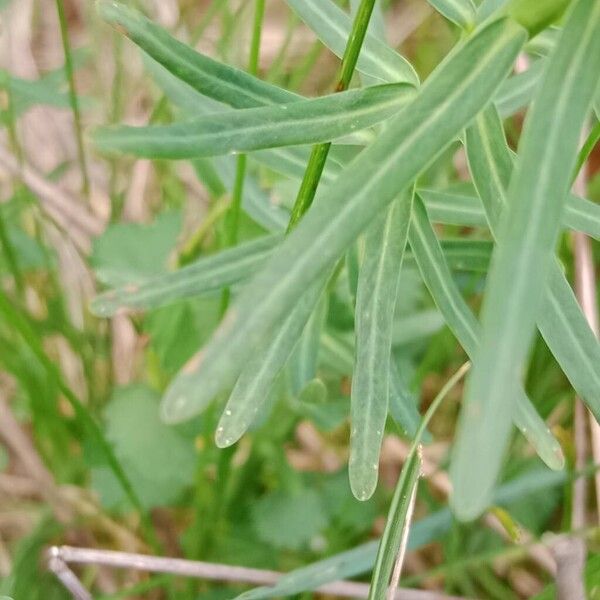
(318, 157)
(234, 213)
(60, 8)
(11, 257)
(9, 251)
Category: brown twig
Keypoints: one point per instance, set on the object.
(585, 289)
(569, 552)
(214, 571)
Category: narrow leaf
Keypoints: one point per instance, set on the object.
(446, 103)
(560, 320)
(376, 300)
(332, 26)
(300, 122)
(338, 354)
(305, 358)
(517, 91)
(460, 12)
(254, 384)
(465, 327)
(526, 240)
(207, 275)
(207, 76)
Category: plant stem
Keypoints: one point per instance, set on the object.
(9, 251)
(234, 213)
(64, 34)
(318, 156)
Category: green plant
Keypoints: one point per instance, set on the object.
(346, 247)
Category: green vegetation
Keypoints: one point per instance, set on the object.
(250, 250)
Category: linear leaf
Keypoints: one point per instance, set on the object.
(518, 91)
(446, 103)
(453, 208)
(288, 161)
(256, 380)
(305, 358)
(375, 304)
(207, 275)
(332, 26)
(300, 122)
(460, 12)
(210, 274)
(526, 240)
(465, 327)
(207, 76)
(560, 320)
(338, 353)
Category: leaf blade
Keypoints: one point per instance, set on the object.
(530, 227)
(465, 327)
(376, 300)
(297, 123)
(423, 128)
(333, 26)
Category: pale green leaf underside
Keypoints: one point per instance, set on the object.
(375, 303)
(297, 123)
(523, 255)
(256, 380)
(560, 319)
(464, 325)
(460, 12)
(210, 274)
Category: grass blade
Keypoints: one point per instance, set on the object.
(301, 122)
(332, 26)
(460, 12)
(395, 535)
(465, 327)
(208, 275)
(548, 151)
(73, 99)
(410, 142)
(560, 321)
(376, 300)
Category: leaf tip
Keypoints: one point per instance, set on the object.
(363, 479)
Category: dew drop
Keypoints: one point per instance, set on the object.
(228, 412)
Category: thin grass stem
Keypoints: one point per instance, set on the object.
(73, 100)
(318, 156)
(234, 213)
